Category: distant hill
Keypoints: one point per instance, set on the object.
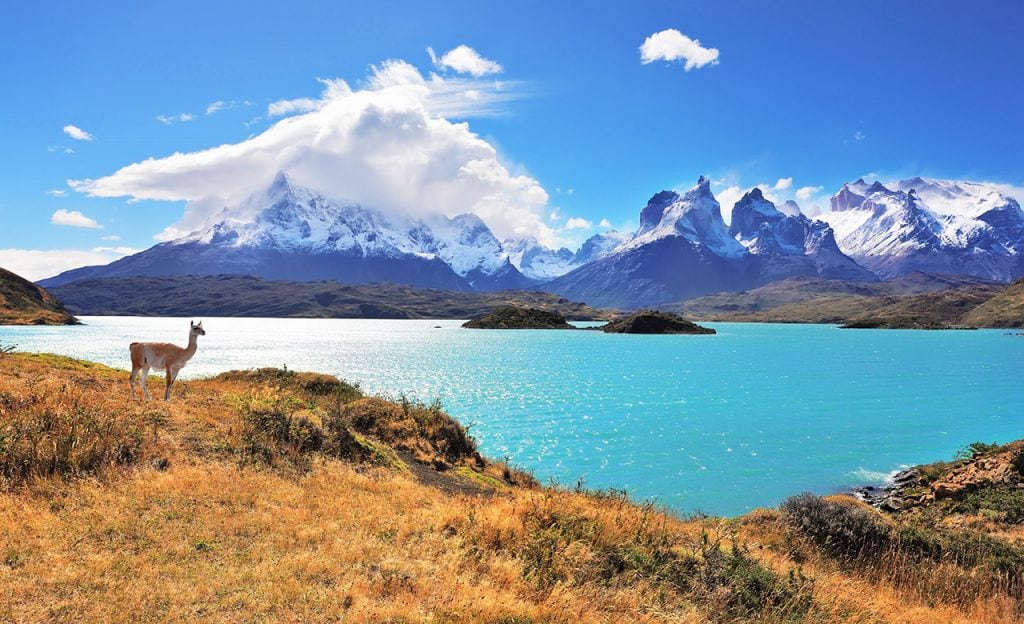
(1006, 309)
(237, 295)
(912, 300)
(24, 303)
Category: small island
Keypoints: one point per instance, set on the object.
(512, 317)
(654, 322)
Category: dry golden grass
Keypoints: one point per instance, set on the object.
(194, 525)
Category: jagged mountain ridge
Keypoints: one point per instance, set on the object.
(683, 249)
(937, 226)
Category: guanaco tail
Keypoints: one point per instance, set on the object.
(162, 356)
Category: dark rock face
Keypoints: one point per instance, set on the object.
(510, 317)
(654, 322)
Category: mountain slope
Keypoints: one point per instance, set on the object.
(288, 232)
(937, 226)
(682, 249)
(789, 245)
(24, 303)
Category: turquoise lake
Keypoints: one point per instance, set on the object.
(720, 424)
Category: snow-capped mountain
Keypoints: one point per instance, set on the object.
(542, 263)
(788, 244)
(294, 233)
(937, 226)
(682, 249)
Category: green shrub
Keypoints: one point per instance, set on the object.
(842, 530)
(976, 449)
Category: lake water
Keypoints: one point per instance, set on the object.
(721, 423)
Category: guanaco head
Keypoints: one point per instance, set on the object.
(197, 328)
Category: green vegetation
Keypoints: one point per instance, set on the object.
(513, 317)
(654, 322)
(239, 295)
(24, 303)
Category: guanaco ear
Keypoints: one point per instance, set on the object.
(191, 323)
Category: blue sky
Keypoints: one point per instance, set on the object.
(819, 92)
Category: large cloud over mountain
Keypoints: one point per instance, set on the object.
(389, 144)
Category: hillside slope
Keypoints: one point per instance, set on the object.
(272, 495)
(237, 295)
(1006, 309)
(24, 303)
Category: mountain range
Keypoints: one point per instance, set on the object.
(682, 249)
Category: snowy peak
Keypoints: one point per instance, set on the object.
(695, 216)
(653, 212)
(750, 212)
(930, 225)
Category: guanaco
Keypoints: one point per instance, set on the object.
(162, 355)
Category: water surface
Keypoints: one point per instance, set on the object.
(721, 423)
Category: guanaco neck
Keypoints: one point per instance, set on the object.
(193, 344)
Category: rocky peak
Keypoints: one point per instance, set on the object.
(652, 213)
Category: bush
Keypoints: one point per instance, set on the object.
(976, 449)
(271, 433)
(426, 431)
(842, 530)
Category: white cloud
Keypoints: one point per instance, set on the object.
(215, 107)
(859, 136)
(60, 148)
(783, 184)
(36, 264)
(727, 198)
(389, 145)
(289, 107)
(169, 119)
(77, 133)
(605, 224)
(805, 192)
(73, 218)
(57, 193)
(578, 223)
(112, 237)
(672, 45)
(119, 251)
(465, 60)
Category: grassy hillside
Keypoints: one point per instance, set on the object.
(916, 300)
(269, 495)
(237, 295)
(24, 303)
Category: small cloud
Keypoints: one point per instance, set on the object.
(112, 237)
(289, 107)
(605, 224)
(859, 136)
(60, 148)
(804, 193)
(215, 107)
(671, 45)
(73, 218)
(783, 184)
(57, 193)
(170, 119)
(578, 223)
(465, 60)
(120, 251)
(77, 133)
